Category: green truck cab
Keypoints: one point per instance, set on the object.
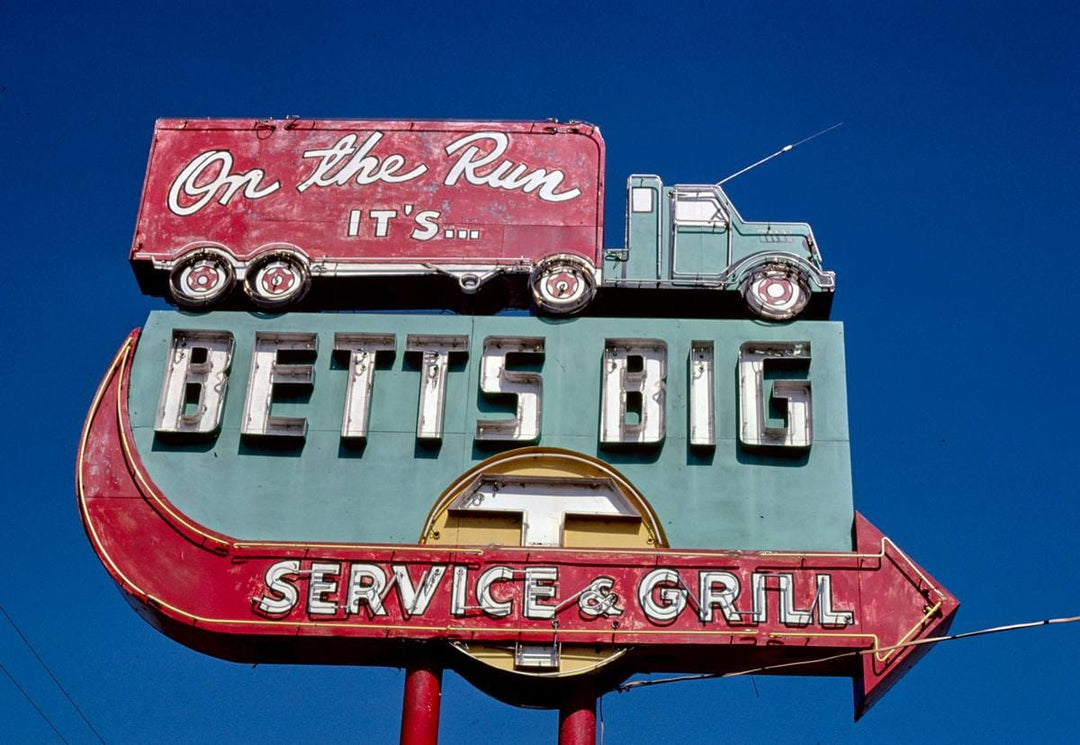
(691, 237)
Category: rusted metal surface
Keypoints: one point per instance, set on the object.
(235, 598)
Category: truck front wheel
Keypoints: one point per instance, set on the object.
(562, 284)
(776, 292)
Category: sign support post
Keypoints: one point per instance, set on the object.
(577, 721)
(420, 708)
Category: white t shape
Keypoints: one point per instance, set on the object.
(544, 503)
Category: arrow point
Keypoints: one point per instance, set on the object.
(903, 604)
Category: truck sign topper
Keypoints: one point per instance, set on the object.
(281, 208)
(547, 503)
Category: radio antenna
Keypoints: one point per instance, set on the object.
(781, 151)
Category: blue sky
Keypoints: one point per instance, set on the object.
(947, 205)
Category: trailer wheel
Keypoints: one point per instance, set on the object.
(562, 284)
(201, 278)
(776, 292)
(277, 280)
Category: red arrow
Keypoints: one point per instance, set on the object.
(901, 584)
(855, 614)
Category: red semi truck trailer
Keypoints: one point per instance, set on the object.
(282, 208)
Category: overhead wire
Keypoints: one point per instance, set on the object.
(52, 675)
(854, 653)
(37, 708)
(600, 706)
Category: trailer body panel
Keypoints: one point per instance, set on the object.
(372, 197)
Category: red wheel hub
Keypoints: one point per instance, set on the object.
(775, 290)
(561, 284)
(277, 280)
(203, 278)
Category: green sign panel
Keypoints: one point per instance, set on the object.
(348, 427)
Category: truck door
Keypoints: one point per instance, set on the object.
(700, 245)
(642, 257)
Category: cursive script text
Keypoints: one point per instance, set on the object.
(361, 168)
(193, 184)
(472, 162)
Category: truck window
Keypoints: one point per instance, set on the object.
(699, 208)
(641, 199)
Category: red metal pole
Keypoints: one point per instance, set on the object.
(577, 722)
(420, 710)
